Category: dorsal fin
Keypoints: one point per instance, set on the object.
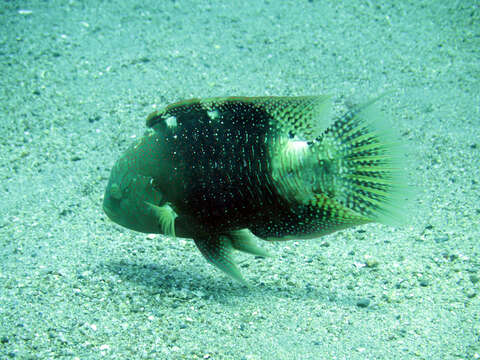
(305, 117)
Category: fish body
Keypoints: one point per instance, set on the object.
(226, 171)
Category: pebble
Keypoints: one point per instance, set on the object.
(423, 282)
(363, 303)
(471, 294)
(371, 262)
(441, 238)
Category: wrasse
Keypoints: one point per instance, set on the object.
(227, 171)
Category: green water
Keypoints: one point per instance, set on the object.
(78, 79)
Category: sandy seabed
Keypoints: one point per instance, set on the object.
(78, 79)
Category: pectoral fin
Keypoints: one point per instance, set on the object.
(166, 218)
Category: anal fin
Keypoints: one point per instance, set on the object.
(245, 241)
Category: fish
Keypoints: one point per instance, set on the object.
(228, 171)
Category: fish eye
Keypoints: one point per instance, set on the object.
(115, 191)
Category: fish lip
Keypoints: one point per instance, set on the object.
(107, 210)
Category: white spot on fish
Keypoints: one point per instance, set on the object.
(213, 114)
(296, 146)
(171, 122)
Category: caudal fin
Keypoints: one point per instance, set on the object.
(360, 165)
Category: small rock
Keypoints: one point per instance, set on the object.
(471, 294)
(371, 262)
(423, 282)
(440, 238)
(363, 303)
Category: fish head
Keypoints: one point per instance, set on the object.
(131, 192)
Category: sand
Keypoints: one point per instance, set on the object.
(78, 79)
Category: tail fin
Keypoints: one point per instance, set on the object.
(360, 165)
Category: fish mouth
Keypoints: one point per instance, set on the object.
(113, 216)
(107, 210)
